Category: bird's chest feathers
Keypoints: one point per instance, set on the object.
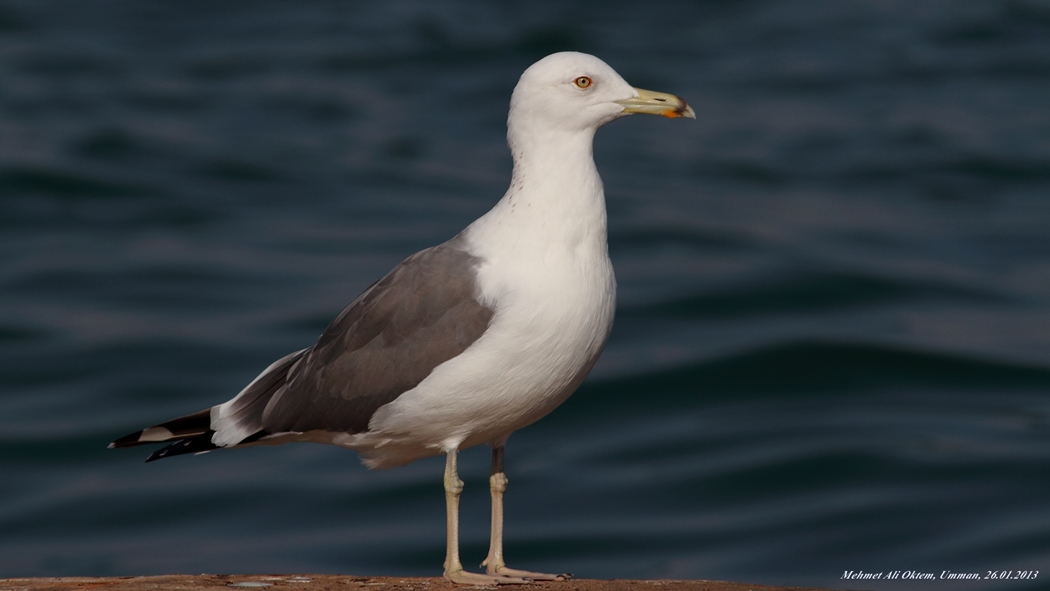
(557, 308)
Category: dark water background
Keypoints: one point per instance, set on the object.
(833, 344)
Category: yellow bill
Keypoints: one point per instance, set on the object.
(651, 102)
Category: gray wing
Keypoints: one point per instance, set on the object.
(423, 313)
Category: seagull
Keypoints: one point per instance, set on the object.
(465, 342)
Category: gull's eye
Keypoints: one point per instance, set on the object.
(583, 82)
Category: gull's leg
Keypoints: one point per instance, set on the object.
(453, 567)
(494, 564)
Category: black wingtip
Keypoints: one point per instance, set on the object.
(128, 440)
(193, 445)
(187, 427)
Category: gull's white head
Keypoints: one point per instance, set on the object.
(574, 92)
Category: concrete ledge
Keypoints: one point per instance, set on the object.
(346, 583)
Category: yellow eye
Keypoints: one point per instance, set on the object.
(583, 82)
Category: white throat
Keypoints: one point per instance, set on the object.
(555, 204)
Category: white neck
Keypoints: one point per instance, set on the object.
(555, 202)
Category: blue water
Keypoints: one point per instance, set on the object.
(832, 348)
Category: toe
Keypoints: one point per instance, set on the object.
(462, 577)
(526, 574)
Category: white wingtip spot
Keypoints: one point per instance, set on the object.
(156, 434)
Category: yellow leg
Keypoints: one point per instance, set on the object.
(453, 567)
(494, 564)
